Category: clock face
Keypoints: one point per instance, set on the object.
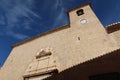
(83, 21)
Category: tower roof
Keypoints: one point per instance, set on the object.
(113, 27)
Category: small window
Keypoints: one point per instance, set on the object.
(83, 21)
(78, 38)
(80, 12)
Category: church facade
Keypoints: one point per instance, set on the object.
(82, 50)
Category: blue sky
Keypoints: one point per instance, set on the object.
(22, 19)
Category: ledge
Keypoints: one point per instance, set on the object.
(113, 27)
(54, 71)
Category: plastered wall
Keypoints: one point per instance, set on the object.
(115, 37)
(70, 46)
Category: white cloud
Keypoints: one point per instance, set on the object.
(20, 36)
(17, 35)
(27, 26)
(61, 16)
(15, 10)
(2, 20)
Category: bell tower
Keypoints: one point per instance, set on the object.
(84, 16)
(91, 38)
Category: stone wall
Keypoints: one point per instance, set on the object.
(71, 45)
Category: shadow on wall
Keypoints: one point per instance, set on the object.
(106, 67)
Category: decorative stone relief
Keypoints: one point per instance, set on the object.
(43, 62)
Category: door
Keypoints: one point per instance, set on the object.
(108, 76)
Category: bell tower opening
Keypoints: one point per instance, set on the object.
(80, 12)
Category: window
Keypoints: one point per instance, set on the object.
(83, 21)
(107, 76)
(80, 12)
